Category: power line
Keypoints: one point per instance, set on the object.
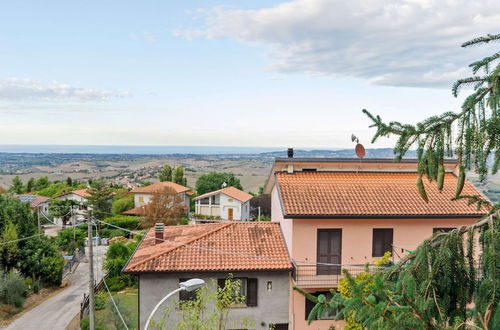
(114, 303)
(228, 252)
(20, 239)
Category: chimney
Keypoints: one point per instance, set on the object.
(290, 152)
(159, 227)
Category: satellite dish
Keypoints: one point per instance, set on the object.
(354, 138)
(360, 150)
(224, 185)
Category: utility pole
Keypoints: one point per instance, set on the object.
(91, 272)
(38, 218)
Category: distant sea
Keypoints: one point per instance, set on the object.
(147, 150)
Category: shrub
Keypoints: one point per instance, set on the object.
(13, 289)
(116, 233)
(116, 283)
(122, 204)
(100, 301)
(36, 287)
(123, 221)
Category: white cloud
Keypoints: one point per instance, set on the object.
(388, 42)
(145, 36)
(15, 89)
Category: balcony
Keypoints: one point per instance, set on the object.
(321, 276)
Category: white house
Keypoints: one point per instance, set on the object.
(228, 203)
(143, 195)
(79, 211)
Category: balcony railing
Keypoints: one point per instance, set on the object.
(322, 276)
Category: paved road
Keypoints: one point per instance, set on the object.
(58, 311)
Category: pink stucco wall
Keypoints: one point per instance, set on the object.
(357, 235)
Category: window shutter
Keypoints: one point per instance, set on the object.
(252, 292)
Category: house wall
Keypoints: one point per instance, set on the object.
(272, 306)
(357, 236)
(226, 203)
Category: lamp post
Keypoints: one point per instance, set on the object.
(189, 285)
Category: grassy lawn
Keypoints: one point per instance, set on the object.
(127, 302)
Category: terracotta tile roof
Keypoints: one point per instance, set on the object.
(158, 186)
(257, 239)
(339, 194)
(79, 192)
(231, 192)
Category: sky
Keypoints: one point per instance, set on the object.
(230, 73)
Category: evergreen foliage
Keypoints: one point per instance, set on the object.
(215, 180)
(472, 135)
(100, 199)
(434, 286)
(165, 173)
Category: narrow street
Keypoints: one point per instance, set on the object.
(57, 311)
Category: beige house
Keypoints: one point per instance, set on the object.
(228, 203)
(143, 195)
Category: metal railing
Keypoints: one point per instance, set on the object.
(322, 276)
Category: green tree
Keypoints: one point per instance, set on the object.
(17, 186)
(123, 204)
(472, 134)
(62, 208)
(9, 252)
(165, 173)
(215, 180)
(18, 213)
(100, 199)
(116, 258)
(42, 183)
(70, 240)
(41, 260)
(178, 176)
(69, 182)
(30, 185)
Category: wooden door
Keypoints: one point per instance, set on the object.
(230, 214)
(329, 251)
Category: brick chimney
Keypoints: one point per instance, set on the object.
(159, 227)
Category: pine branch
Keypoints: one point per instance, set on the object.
(480, 40)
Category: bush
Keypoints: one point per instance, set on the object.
(40, 259)
(100, 301)
(122, 204)
(123, 221)
(206, 217)
(116, 283)
(13, 289)
(116, 233)
(36, 287)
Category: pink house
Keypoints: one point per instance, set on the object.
(343, 213)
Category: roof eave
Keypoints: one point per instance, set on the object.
(380, 216)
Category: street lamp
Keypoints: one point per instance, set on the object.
(189, 285)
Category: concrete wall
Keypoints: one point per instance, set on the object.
(272, 306)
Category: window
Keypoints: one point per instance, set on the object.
(441, 230)
(141, 199)
(185, 295)
(248, 289)
(382, 241)
(310, 305)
